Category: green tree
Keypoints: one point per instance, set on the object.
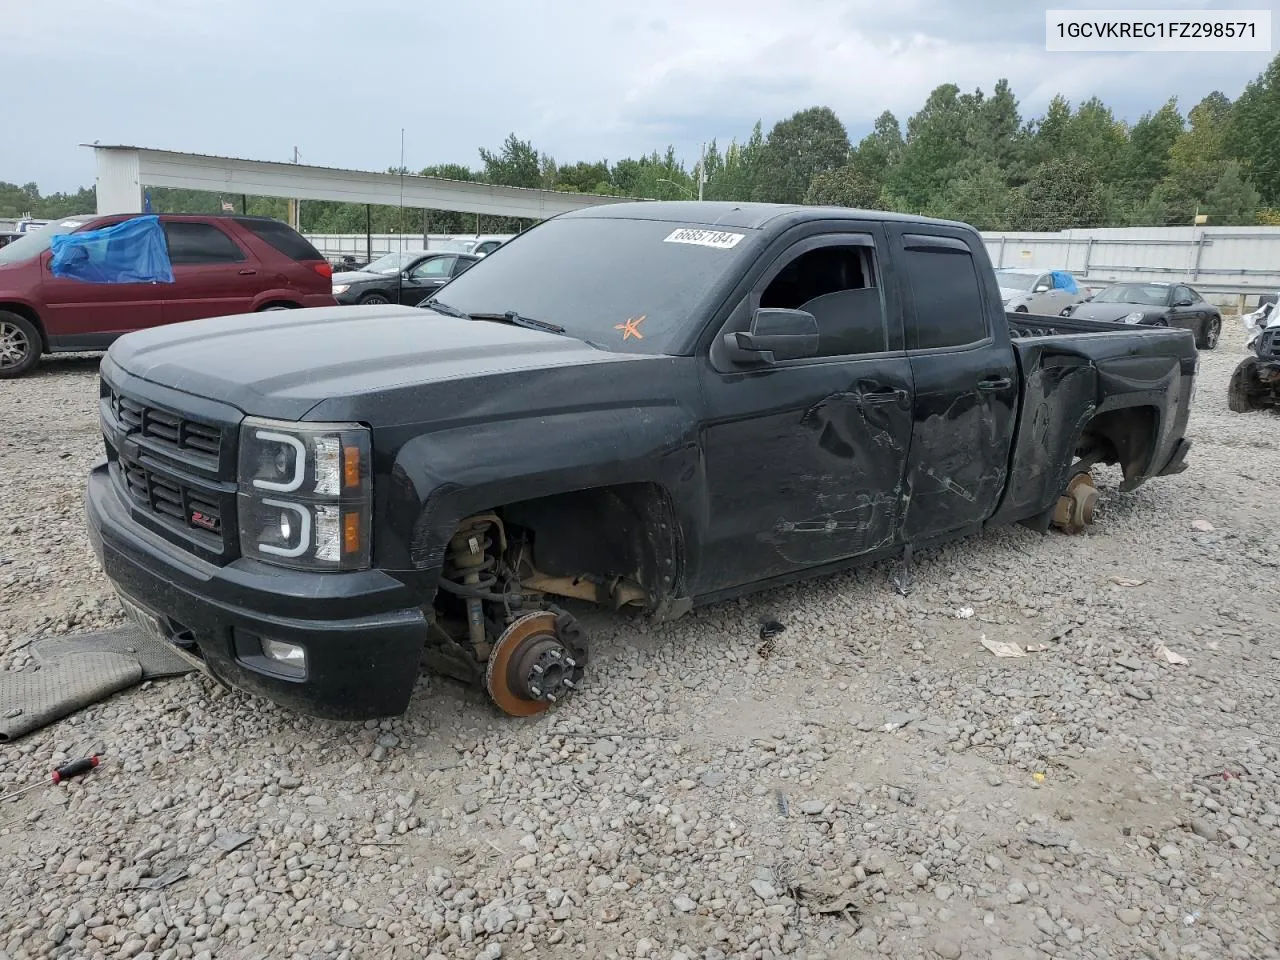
(1062, 193)
(936, 141)
(880, 150)
(1148, 155)
(452, 171)
(515, 164)
(1195, 162)
(736, 180)
(846, 187)
(1233, 200)
(1254, 132)
(808, 142)
(583, 177)
(977, 193)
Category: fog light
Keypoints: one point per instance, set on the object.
(281, 652)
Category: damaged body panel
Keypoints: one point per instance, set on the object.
(647, 406)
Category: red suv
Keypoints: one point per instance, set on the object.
(221, 265)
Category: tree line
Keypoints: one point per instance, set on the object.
(961, 156)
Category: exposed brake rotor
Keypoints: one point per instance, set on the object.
(537, 661)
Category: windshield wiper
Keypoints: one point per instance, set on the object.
(439, 306)
(516, 320)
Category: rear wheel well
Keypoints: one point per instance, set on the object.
(24, 311)
(1126, 436)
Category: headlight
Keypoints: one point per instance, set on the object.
(341, 288)
(1132, 318)
(304, 494)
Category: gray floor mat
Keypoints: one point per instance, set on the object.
(31, 699)
(157, 659)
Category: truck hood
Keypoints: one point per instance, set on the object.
(283, 363)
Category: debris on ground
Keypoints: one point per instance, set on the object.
(1003, 648)
(1168, 656)
(1127, 582)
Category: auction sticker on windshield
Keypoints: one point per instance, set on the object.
(704, 238)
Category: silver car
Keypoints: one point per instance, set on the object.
(1033, 291)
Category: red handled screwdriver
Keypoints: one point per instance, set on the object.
(65, 772)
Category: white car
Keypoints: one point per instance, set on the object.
(1034, 291)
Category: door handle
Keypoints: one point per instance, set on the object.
(883, 395)
(995, 383)
(247, 273)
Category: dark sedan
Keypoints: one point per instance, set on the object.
(406, 278)
(1154, 305)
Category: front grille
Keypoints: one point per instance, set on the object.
(167, 429)
(189, 507)
(176, 470)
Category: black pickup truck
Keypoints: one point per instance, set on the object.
(649, 405)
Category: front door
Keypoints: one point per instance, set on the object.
(88, 316)
(966, 382)
(805, 458)
(425, 278)
(213, 276)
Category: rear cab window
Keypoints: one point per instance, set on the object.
(948, 306)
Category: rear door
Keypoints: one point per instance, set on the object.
(213, 275)
(965, 377)
(82, 315)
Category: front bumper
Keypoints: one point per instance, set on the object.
(363, 632)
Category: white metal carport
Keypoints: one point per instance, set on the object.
(124, 171)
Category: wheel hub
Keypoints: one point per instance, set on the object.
(1075, 508)
(536, 662)
(13, 345)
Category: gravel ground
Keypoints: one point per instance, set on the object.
(875, 783)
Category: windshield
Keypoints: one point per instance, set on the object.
(38, 241)
(1012, 280)
(1149, 294)
(391, 263)
(631, 286)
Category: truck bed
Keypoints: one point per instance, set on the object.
(1023, 325)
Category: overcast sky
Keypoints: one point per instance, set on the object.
(582, 80)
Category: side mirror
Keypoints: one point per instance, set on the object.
(1184, 303)
(1041, 289)
(775, 335)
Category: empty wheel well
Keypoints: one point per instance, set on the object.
(1126, 437)
(22, 310)
(606, 535)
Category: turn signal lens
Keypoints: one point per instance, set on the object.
(350, 467)
(351, 533)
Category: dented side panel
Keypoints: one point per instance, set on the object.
(803, 468)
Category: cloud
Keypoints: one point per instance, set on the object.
(254, 79)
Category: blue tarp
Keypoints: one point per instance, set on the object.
(1062, 280)
(130, 252)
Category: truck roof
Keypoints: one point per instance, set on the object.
(751, 216)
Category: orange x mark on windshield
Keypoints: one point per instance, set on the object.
(631, 328)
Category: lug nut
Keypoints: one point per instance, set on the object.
(570, 662)
(536, 691)
(551, 697)
(569, 684)
(537, 668)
